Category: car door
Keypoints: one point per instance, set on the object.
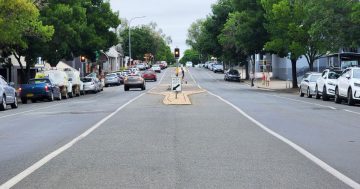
(8, 91)
(322, 80)
(343, 83)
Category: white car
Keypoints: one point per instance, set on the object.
(308, 83)
(141, 66)
(189, 64)
(325, 85)
(7, 95)
(156, 68)
(348, 86)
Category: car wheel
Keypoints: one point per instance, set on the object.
(51, 98)
(143, 87)
(308, 93)
(337, 96)
(71, 94)
(301, 93)
(317, 95)
(24, 100)
(15, 104)
(325, 96)
(350, 100)
(3, 103)
(66, 95)
(106, 85)
(126, 88)
(33, 100)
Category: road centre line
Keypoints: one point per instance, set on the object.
(19, 177)
(301, 150)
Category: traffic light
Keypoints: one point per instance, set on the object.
(82, 59)
(177, 52)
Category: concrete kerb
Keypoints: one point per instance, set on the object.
(183, 97)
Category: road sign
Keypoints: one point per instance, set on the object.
(176, 84)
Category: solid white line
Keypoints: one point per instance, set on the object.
(192, 77)
(331, 107)
(352, 111)
(301, 150)
(13, 181)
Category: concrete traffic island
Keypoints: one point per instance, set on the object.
(182, 98)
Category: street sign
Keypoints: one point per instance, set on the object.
(176, 84)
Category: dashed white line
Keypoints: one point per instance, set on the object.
(301, 150)
(352, 111)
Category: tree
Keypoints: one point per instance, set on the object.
(82, 27)
(20, 27)
(284, 25)
(190, 55)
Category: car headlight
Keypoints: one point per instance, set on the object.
(357, 84)
(332, 84)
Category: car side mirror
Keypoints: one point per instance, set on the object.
(11, 84)
(70, 79)
(307, 81)
(347, 76)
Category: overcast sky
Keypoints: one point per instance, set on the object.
(174, 17)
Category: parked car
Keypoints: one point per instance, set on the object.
(308, 84)
(164, 64)
(134, 81)
(121, 77)
(112, 79)
(348, 86)
(325, 85)
(232, 75)
(211, 66)
(189, 64)
(156, 68)
(74, 79)
(90, 84)
(39, 89)
(141, 66)
(149, 75)
(218, 68)
(60, 79)
(7, 95)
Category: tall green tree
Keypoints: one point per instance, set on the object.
(190, 55)
(82, 27)
(21, 27)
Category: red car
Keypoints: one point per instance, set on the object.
(149, 75)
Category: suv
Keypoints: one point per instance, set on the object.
(325, 85)
(7, 95)
(348, 86)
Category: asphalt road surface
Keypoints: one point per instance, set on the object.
(135, 141)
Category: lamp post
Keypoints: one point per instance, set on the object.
(130, 35)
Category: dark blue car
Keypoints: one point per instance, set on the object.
(39, 89)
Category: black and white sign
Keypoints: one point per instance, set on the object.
(176, 84)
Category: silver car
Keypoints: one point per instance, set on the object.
(308, 84)
(7, 95)
(112, 79)
(90, 85)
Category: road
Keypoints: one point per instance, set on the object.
(132, 140)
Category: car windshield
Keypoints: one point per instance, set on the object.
(333, 75)
(313, 78)
(234, 72)
(357, 73)
(38, 81)
(86, 79)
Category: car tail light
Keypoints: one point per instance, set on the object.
(46, 88)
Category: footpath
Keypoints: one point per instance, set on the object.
(274, 85)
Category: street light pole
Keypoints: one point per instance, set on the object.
(130, 34)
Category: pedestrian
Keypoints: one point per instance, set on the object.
(177, 72)
(183, 73)
(268, 79)
(263, 78)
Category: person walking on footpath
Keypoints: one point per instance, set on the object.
(267, 79)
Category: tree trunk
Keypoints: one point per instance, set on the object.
(311, 66)
(247, 71)
(294, 75)
(23, 75)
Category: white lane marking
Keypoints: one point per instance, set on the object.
(305, 102)
(301, 150)
(13, 181)
(192, 77)
(352, 111)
